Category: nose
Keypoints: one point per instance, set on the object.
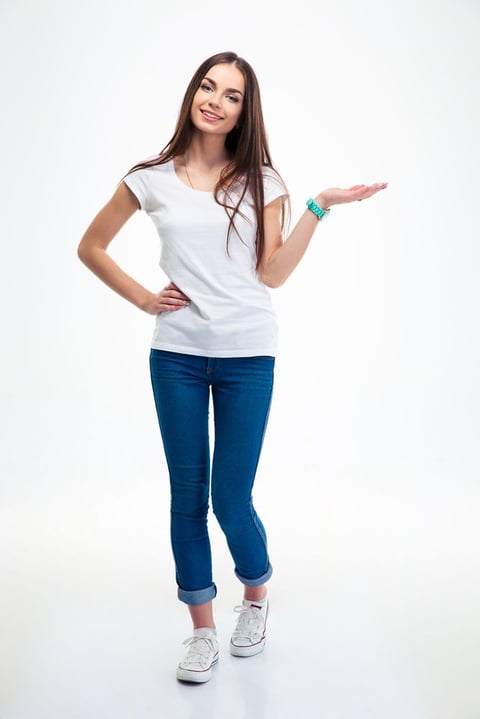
(214, 100)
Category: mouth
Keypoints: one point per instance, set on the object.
(210, 116)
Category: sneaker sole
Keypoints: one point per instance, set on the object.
(195, 677)
(250, 651)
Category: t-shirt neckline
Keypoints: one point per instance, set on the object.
(184, 184)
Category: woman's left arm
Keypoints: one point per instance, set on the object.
(280, 257)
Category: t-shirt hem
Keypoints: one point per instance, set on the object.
(202, 352)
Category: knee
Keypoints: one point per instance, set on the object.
(188, 504)
(189, 498)
(230, 515)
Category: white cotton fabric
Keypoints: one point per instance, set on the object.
(230, 312)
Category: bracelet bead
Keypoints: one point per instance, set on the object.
(317, 210)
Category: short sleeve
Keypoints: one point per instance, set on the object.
(138, 182)
(273, 186)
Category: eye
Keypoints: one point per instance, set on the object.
(206, 87)
(232, 98)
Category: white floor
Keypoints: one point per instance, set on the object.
(91, 628)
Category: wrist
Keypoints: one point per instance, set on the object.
(321, 201)
(320, 212)
(145, 300)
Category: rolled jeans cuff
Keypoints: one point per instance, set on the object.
(197, 596)
(256, 582)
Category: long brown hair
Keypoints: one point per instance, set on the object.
(247, 144)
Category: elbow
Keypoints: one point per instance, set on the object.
(271, 280)
(82, 254)
(273, 284)
(86, 254)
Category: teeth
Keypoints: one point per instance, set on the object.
(209, 114)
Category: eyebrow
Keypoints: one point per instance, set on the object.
(229, 89)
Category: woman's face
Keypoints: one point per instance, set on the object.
(218, 102)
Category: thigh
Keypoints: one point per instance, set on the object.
(182, 401)
(241, 399)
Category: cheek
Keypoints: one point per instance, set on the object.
(237, 112)
(198, 98)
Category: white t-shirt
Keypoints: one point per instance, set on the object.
(230, 312)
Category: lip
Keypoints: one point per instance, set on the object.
(210, 116)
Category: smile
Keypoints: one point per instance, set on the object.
(210, 115)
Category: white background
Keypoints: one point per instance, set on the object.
(368, 484)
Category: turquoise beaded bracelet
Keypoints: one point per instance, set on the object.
(317, 210)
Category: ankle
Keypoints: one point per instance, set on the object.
(255, 594)
(259, 603)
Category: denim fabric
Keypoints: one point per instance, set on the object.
(239, 390)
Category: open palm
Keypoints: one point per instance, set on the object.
(339, 196)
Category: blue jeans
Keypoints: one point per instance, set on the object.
(241, 390)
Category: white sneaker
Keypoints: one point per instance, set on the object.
(201, 656)
(248, 637)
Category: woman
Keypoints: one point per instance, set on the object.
(219, 207)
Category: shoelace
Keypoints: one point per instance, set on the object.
(200, 649)
(250, 622)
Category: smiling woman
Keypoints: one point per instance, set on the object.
(216, 108)
(219, 206)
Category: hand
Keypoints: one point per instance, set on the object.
(337, 196)
(170, 299)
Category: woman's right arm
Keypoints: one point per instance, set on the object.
(92, 251)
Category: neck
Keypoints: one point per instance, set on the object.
(207, 152)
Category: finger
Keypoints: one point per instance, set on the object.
(164, 307)
(173, 290)
(171, 296)
(370, 192)
(374, 187)
(377, 186)
(173, 293)
(173, 302)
